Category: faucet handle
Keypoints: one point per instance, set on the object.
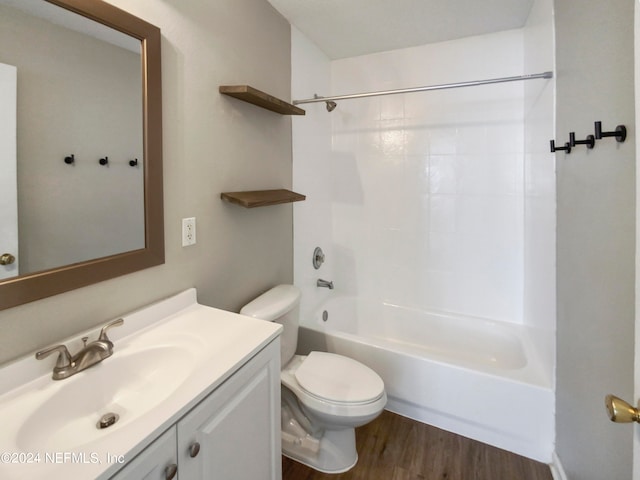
(64, 357)
(103, 333)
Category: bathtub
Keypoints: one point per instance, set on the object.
(486, 380)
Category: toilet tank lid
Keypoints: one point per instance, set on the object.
(273, 303)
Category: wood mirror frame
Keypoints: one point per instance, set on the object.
(27, 288)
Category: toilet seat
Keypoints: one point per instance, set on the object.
(338, 379)
(335, 385)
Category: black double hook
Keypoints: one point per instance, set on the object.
(590, 141)
(567, 147)
(620, 132)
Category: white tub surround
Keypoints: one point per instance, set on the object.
(437, 201)
(471, 376)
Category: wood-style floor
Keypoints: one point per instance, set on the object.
(393, 447)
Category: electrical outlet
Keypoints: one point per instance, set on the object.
(188, 231)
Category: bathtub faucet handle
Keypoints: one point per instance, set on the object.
(324, 283)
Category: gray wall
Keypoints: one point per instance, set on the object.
(595, 237)
(212, 144)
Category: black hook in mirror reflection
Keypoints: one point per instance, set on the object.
(134, 162)
(620, 132)
(590, 141)
(70, 160)
(566, 147)
(104, 161)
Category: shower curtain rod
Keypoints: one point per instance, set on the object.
(424, 89)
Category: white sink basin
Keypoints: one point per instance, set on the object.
(167, 357)
(127, 385)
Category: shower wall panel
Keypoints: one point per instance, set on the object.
(428, 188)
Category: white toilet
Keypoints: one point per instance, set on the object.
(324, 395)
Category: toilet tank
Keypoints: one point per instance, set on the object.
(281, 304)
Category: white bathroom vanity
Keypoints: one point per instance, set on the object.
(196, 392)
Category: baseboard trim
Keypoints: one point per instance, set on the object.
(556, 468)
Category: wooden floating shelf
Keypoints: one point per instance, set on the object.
(261, 198)
(261, 99)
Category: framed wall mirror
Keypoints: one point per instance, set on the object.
(80, 146)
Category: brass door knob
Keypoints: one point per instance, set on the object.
(7, 259)
(620, 411)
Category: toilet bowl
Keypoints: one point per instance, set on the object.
(325, 396)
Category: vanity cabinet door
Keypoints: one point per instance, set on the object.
(234, 433)
(156, 462)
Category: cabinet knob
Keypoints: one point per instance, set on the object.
(194, 449)
(170, 471)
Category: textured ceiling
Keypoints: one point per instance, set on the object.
(347, 28)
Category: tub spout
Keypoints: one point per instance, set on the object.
(325, 284)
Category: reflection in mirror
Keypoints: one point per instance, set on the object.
(81, 93)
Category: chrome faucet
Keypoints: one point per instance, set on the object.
(92, 353)
(325, 284)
